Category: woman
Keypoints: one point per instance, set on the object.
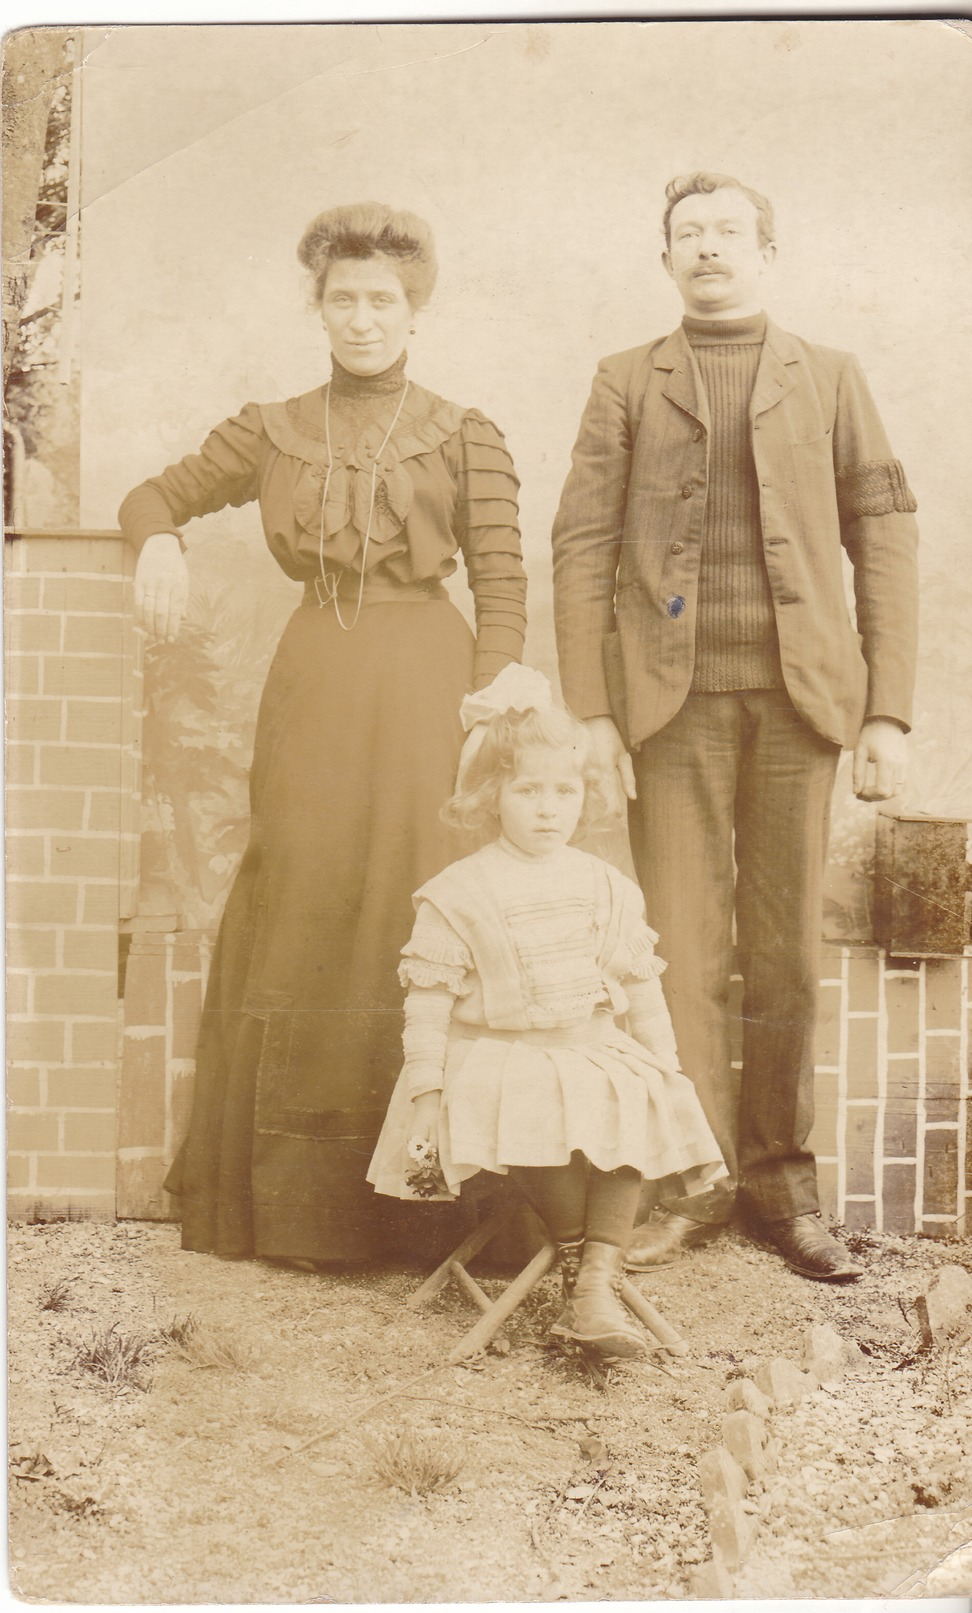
(368, 487)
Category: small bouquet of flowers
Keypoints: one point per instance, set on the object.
(423, 1175)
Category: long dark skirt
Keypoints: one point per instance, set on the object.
(300, 1044)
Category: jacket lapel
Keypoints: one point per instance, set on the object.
(775, 377)
(777, 374)
(684, 383)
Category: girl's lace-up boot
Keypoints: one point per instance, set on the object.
(569, 1256)
(594, 1316)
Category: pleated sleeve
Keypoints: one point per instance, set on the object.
(225, 471)
(489, 536)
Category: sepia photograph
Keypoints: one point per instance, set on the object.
(488, 811)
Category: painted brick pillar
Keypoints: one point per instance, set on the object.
(892, 1132)
(165, 981)
(73, 683)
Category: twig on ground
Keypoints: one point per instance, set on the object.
(347, 1422)
(493, 1411)
(575, 1522)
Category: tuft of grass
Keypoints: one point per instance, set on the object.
(201, 1346)
(577, 1366)
(179, 1330)
(117, 1358)
(418, 1465)
(56, 1295)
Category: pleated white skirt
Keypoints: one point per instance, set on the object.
(535, 1097)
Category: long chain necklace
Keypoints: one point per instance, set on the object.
(331, 583)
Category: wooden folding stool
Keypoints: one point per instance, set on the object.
(497, 1311)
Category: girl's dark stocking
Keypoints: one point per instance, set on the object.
(558, 1193)
(612, 1205)
(577, 1200)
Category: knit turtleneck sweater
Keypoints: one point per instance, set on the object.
(736, 642)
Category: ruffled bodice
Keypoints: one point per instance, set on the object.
(443, 483)
(530, 944)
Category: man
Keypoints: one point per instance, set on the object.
(703, 633)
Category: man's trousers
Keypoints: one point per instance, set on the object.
(732, 814)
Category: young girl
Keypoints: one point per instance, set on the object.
(521, 959)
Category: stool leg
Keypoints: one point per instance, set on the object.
(653, 1320)
(513, 1295)
(470, 1246)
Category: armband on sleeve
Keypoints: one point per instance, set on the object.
(428, 1011)
(878, 487)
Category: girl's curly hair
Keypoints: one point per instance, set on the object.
(367, 230)
(475, 805)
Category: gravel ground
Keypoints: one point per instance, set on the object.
(247, 1450)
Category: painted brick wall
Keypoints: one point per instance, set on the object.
(72, 704)
(892, 1131)
(893, 1128)
(165, 980)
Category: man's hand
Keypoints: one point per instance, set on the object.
(880, 761)
(612, 757)
(161, 586)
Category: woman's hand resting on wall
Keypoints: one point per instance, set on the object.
(161, 586)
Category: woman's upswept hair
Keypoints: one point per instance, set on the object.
(702, 184)
(475, 805)
(367, 230)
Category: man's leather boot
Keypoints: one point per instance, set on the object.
(664, 1237)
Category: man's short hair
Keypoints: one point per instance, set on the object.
(704, 183)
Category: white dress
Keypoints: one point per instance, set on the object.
(536, 954)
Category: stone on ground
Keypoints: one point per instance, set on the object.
(827, 1355)
(711, 1581)
(783, 1383)
(747, 1439)
(948, 1302)
(743, 1395)
(724, 1489)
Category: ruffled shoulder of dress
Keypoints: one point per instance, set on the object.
(296, 426)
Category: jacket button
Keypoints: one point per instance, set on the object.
(698, 434)
(686, 491)
(677, 548)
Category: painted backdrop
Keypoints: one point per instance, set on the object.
(539, 153)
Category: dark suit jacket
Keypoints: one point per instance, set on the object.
(628, 538)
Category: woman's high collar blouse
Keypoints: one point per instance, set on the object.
(444, 483)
